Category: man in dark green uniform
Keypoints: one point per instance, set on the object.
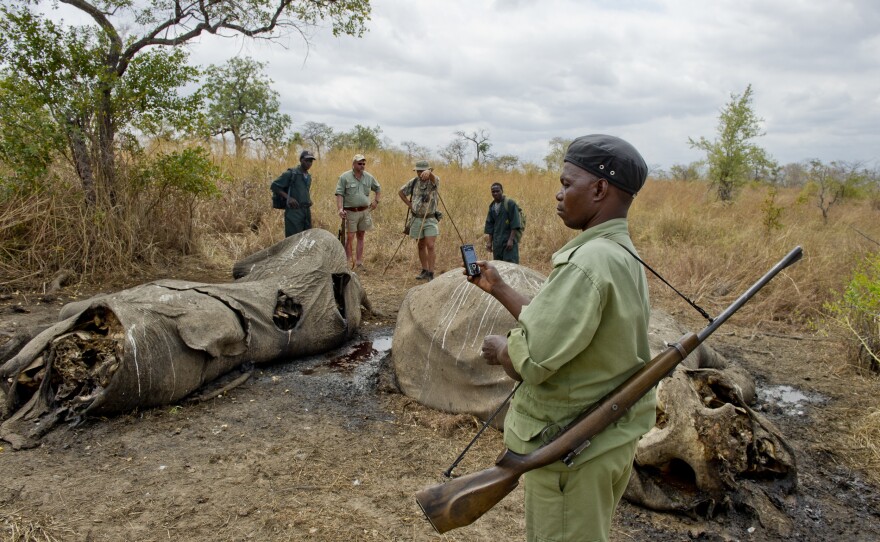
(294, 186)
(503, 226)
(582, 335)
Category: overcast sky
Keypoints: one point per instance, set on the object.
(652, 72)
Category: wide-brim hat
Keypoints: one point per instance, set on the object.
(422, 165)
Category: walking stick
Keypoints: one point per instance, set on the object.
(402, 239)
(405, 234)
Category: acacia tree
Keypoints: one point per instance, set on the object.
(362, 138)
(834, 182)
(318, 134)
(414, 150)
(481, 144)
(732, 157)
(454, 152)
(558, 147)
(685, 172)
(123, 70)
(241, 101)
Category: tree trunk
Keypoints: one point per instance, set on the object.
(81, 159)
(106, 143)
(239, 144)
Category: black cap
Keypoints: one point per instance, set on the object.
(610, 158)
(306, 155)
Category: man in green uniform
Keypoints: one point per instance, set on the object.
(420, 195)
(294, 186)
(503, 226)
(582, 335)
(353, 205)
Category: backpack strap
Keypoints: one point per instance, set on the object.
(509, 203)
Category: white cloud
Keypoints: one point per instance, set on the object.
(654, 72)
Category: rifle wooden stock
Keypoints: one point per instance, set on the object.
(461, 501)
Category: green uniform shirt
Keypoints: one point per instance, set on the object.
(423, 195)
(298, 184)
(499, 224)
(354, 192)
(584, 333)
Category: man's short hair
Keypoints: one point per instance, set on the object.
(498, 185)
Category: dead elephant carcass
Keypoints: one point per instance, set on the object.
(156, 343)
(709, 450)
(437, 340)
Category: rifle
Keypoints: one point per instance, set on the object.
(463, 500)
(341, 233)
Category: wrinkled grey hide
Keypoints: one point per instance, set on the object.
(158, 342)
(437, 340)
(709, 450)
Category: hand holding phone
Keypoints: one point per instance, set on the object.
(469, 257)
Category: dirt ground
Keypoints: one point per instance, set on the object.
(323, 449)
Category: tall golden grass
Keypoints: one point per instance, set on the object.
(709, 250)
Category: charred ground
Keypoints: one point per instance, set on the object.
(323, 449)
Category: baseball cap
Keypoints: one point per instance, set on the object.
(358, 158)
(422, 165)
(306, 155)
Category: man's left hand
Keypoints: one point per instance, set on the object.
(494, 351)
(492, 346)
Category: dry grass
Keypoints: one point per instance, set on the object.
(865, 442)
(708, 250)
(17, 528)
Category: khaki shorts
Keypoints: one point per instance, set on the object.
(358, 221)
(430, 229)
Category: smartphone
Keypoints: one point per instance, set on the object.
(469, 257)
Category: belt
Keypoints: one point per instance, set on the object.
(356, 209)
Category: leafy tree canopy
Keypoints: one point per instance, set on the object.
(732, 157)
(554, 157)
(122, 71)
(361, 138)
(243, 103)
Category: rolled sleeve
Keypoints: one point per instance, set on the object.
(557, 325)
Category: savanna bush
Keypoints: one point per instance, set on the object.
(855, 313)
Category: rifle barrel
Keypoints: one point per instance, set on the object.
(792, 257)
(463, 500)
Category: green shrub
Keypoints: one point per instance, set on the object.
(857, 313)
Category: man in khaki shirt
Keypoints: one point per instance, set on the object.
(583, 334)
(353, 205)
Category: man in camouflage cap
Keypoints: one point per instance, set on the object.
(582, 335)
